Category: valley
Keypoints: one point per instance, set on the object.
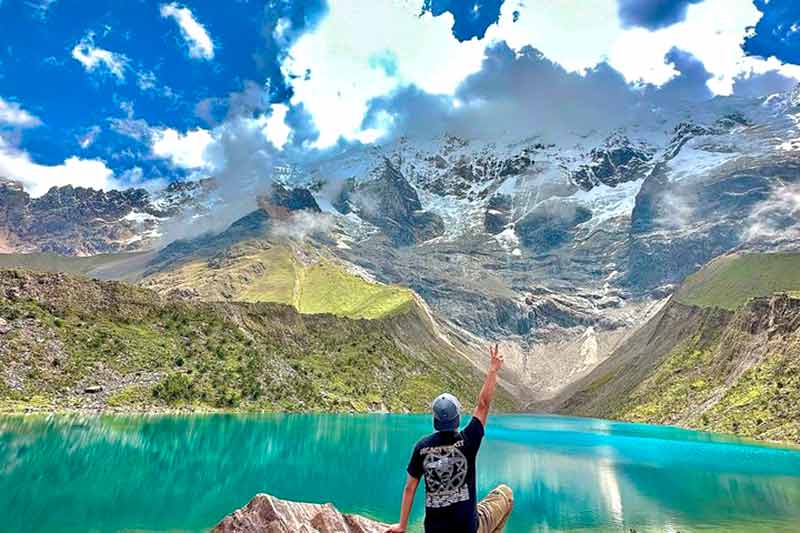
(568, 251)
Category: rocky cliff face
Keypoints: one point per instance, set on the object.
(79, 221)
(389, 202)
(268, 514)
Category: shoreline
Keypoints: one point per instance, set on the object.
(29, 411)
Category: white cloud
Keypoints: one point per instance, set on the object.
(93, 58)
(146, 80)
(363, 50)
(186, 150)
(11, 113)
(276, 130)
(87, 139)
(195, 34)
(37, 179)
(41, 7)
(713, 31)
(575, 38)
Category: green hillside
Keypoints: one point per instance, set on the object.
(74, 343)
(729, 281)
(259, 272)
(723, 355)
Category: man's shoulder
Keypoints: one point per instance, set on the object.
(426, 441)
(474, 430)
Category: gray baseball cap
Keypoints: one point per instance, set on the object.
(446, 412)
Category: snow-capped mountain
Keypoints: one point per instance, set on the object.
(558, 247)
(80, 221)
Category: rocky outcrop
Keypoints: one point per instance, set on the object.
(282, 200)
(617, 161)
(498, 213)
(268, 514)
(679, 225)
(392, 204)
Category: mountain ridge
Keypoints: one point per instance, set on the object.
(557, 247)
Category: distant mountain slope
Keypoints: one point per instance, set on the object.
(70, 342)
(80, 221)
(730, 363)
(104, 266)
(260, 271)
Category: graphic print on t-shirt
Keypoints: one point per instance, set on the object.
(445, 475)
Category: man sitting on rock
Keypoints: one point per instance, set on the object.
(447, 460)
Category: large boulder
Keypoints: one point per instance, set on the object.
(268, 514)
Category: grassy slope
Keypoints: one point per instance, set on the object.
(255, 273)
(735, 379)
(729, 281)
(62, 334)
(732, 366)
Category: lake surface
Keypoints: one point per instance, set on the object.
(184, 473)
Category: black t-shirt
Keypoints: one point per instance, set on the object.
(447, 460)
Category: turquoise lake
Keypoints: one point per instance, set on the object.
(184, 473)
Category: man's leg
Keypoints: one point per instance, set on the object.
(494, 510)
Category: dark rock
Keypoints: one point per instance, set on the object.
(392, 204)
(550, 224)
(618, 161)
(683, 133)
(93, 389)
(498, 213)
(295, 199)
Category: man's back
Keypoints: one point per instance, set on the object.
(446, 459)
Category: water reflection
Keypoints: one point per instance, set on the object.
(184, 473)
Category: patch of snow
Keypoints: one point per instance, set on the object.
(140, 218)
(590, 350)
(606, 202)
(325, 205)
(509, 186)
(692, 162)
(509, 240)
(459, 215)
(791, 145)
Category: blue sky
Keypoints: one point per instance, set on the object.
(108, 94)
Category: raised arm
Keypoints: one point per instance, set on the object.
(487, 391)
(405, 507)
